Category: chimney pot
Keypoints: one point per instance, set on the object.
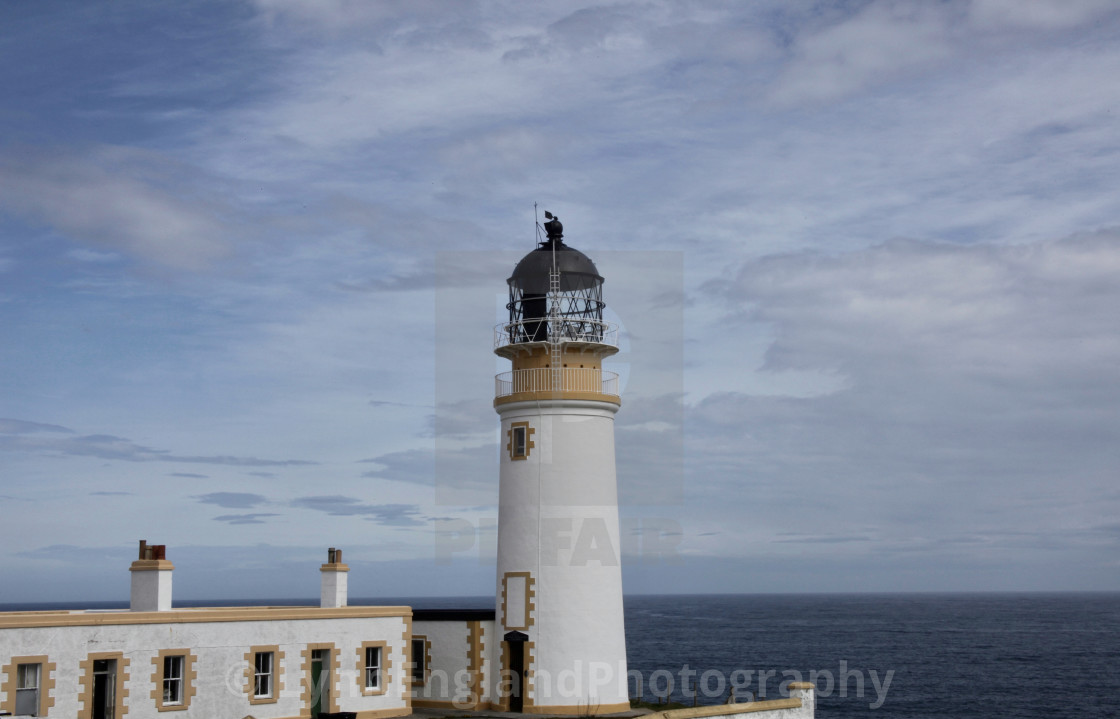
(151, 579)
(333, 590)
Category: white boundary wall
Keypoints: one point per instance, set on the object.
(801, 704)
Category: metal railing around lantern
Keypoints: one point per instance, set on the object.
(566, 330)
(575, 379)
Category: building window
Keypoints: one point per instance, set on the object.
(520, 443)
(26, 684)
(421, 657)
(373, 667)
(417, 661)
(374, 663)
(173, 678)
(27, 689)
(264, 674)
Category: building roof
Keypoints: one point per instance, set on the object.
(452, 615)
(577, 271)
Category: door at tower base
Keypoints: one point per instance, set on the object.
(513, 653)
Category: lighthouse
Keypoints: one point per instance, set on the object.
(559, 614)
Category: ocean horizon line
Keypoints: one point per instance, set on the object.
(468, 601)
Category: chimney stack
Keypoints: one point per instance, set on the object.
(151, 579)
(333, 593)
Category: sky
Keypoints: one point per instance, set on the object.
(864, 256)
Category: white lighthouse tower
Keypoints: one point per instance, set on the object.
(559, 594)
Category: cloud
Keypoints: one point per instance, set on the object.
(106, 446)
(650, 441)
(479, 270)
(255, 518)
(232, 500)
(110, 494)
(390, 515)
(84, 556)
(462, 476)
(586, 29)
(895, 347)
(1039, 14)
(411, 20)
(386, 403)
(234, 461)
(18, 426)
(464, 419)
(414, 466)
(827, 539)
(836, 52)
(980, 390)
(122, 198)
(83, 255)
(188, 475)
(1020, 313)
(880, 41)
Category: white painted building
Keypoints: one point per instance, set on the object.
(455, 648)
(211, 663)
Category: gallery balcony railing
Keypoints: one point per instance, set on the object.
(576, 383)
(563, 329)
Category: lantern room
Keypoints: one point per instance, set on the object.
(556, 336)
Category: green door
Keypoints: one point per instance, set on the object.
(320, 674)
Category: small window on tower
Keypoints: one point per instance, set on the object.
(520, 436)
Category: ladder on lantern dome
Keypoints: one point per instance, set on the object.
(554, 327)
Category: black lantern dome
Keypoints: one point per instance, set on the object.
(578, 294)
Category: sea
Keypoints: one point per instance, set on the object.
(910, 656)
